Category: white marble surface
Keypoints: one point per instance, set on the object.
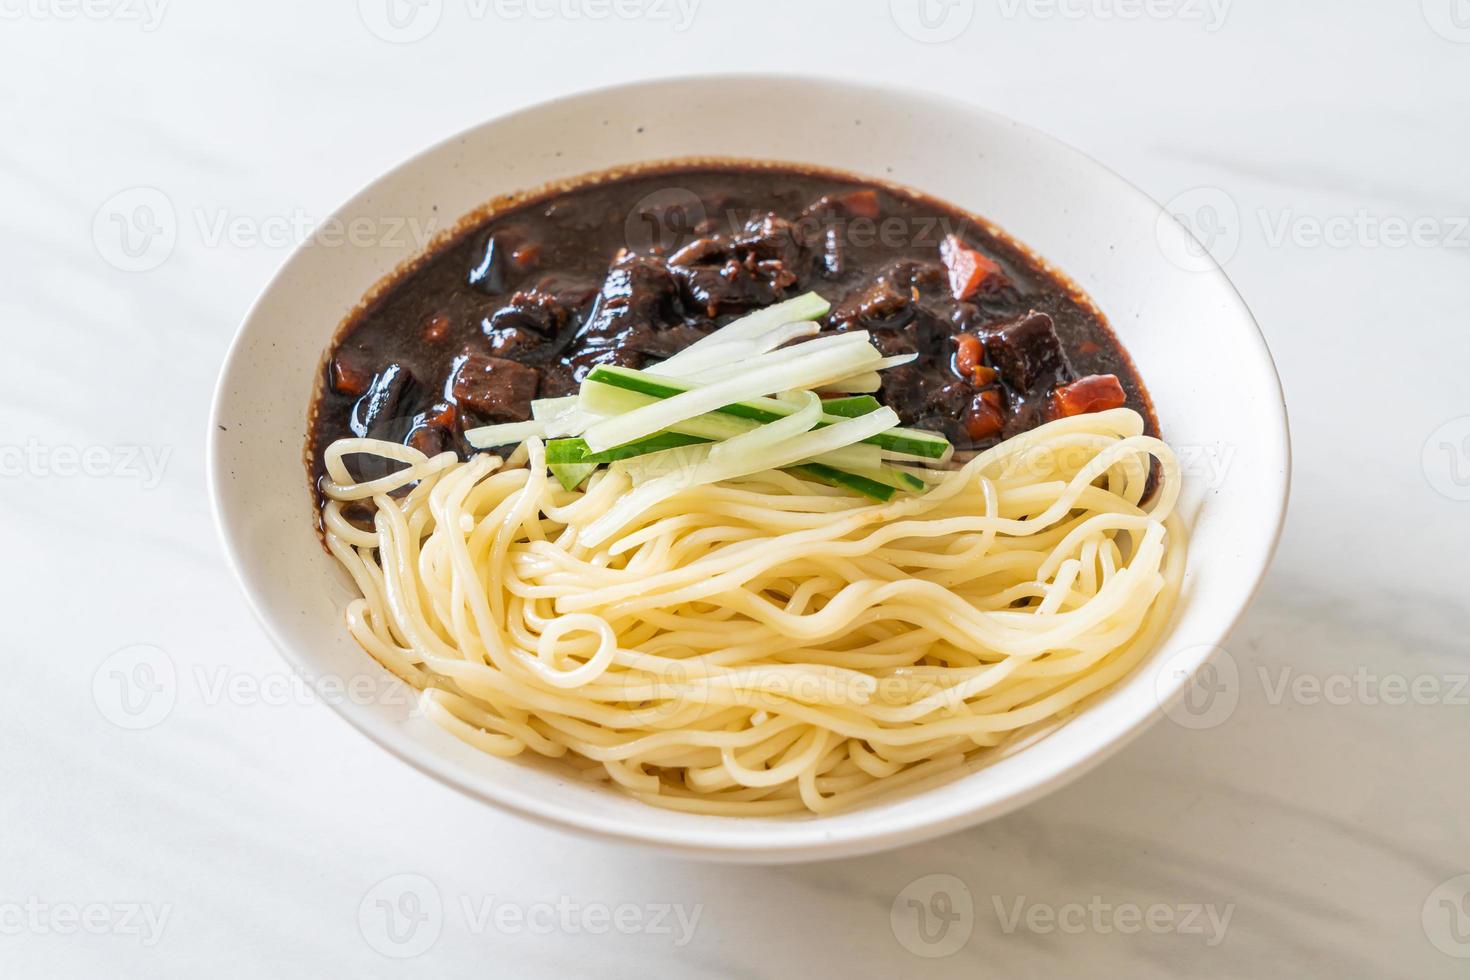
(255, 828)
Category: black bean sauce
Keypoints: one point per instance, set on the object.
(630, 270)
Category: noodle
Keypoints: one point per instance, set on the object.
(764, 645)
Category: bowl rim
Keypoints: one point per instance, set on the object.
(710, 844)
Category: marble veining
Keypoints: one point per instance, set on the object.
(1320, 829)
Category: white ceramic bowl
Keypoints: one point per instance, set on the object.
(1192, 338)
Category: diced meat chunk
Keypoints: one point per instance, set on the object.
(385, 409)
(638, 291)
(770, 238)
(719, 274)
(591, 355)
(1027, 352)
(428, 439)
(903, 391)
(1094, 393)
(701, 251)
(557, 380)
(950, 400)
(433, 430)
(661, 343)
(881, 303)
(729, 288)
(901, 291)
(891, 343)
(496, 388)
(510, 341)
(535, 311)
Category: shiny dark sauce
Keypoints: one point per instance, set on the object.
(632, 269)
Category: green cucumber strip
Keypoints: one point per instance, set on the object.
(918, 474)
(569, 460)
(574, 452)
(898, 480)
(845, 481)
(915, 484)
(915, 442)
(571, 463)
(851, 406)
(601, 399)
(571, 475)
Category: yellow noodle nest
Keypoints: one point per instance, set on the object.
(765, 645)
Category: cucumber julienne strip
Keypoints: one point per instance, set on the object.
(507, 434)
(575, 451)
(731, 463)
(571, 475)
(847, 481)
(915, 442)
(766, 438)
(550, 418)
(852, 406)
(571, 463)
(793, 371)
(549, 408)
(736, 366)
(715, 426)
(745, 353)
(890, 477)
(808, 306)
(868, 381)
(728, 356)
